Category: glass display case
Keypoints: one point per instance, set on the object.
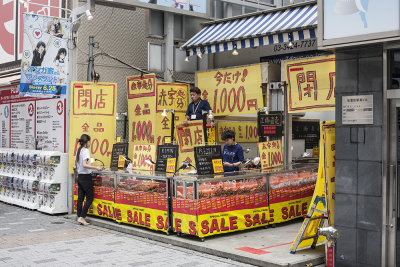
(205, 206)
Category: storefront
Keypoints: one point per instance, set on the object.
(367, 196)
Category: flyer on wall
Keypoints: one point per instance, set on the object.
(44, 64)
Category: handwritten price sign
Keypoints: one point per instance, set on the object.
(232, 91)
(140, 154)
(270, 154)
(311, 84)
(245, 131)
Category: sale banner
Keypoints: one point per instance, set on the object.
(232, 91)
(45, 57)
(187, 138)
(246, 131)
(140, 154)
(270, 154)
(172, 96)
(93, 108)
(311, 84)
(289, 210)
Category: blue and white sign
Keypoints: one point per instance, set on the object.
(346, 18)
(44, 63)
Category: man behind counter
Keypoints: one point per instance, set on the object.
(196, 107)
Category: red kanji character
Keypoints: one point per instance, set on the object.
(165, 123)
(227, 77)
(85, 127)
(264, 147)
(273, 144)
(171, 94)
(99, 127)
(218, 76)
(188, 137)
(161, 99)
(133, 86)
(100, 101)
(263, 156)
(252, 103)
(139, 85)
(237, 75)
(198, 136)
(138, 110)
(205, 94)
(269, 145)
(85, 98)
(144, 84)
(149, 84)
(180, 99)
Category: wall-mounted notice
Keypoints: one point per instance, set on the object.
(358, 109)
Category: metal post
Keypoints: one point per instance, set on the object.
(287, 129)
(91, 59)
(125, 123)
(172, 126)
(169, 46)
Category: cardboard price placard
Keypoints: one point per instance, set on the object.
(246, 132)
(140, 154)
(205, 157)
(118, 150)
(270, 154)
(232, 91)
(93, 112)
(164, 153)
(311, 84)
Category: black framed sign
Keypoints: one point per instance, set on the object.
(208, 159)
(117, 150)
(164, 152)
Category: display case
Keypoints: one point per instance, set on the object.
(34, 179)
(137, 197)
(204, 206)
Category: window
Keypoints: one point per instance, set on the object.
(156, 23)
(394, 75)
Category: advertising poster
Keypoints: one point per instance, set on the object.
(187, 138)
(232, 91)
(270, 154)
(311, 84)
(44, 63)
(93, 110)
(344, 18)
(246, 131)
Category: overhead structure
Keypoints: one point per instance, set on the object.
(293, 23)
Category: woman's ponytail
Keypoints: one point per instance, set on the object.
(82, 142)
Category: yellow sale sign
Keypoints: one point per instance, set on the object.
(328, 136)
(311, 84)
(172, 96)
(93, 108)
(232, 91)
(139, 86)
(246, 132)
(270, 154)
(140, 154)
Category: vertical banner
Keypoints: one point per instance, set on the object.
(93, 110)
(270, 154)
(188, 137)
(311, 84)
(44, 64)
(324, 188)
(232, 91)
(141, 110)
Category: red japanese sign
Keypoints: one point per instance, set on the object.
(93, 98)
(172, 96)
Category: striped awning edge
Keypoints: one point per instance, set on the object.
(265, 28)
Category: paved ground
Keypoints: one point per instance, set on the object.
(30, 238)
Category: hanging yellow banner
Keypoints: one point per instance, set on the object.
(139, 86)
(311, 84)
(328, 135)
(232, 91)
(172, 96)
(270, 154)
(93, 108)
(246, 131)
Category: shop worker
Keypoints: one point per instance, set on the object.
(232, 154)
(85, 183)
(196, 107)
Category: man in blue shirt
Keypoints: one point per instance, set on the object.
(232, 154)
(196, 107)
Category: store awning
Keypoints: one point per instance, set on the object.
(263, 28)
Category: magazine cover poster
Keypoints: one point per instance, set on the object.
(45, 56)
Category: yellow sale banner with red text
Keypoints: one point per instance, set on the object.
(232, 91)
(311, 84)
(93, 108)
(270, 154)
(246, 131)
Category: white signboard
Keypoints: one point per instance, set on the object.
(5, 125)
(358, 109)
(50, 118)
(23, 125)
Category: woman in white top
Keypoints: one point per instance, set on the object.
(85, 183)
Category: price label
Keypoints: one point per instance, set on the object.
(217, 165)
(121, 161)
(171, 164)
